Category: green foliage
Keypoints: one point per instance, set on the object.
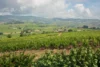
(52, 41)
(9, 35)
(81, 57)
(85, 26)
(16, 60)
(1, 33)
(70, 30)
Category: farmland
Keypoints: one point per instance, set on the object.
(49, 33)
(52, 41)
(48, 45)
(79, 57)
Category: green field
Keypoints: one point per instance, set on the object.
(78, 47)
(52, 41)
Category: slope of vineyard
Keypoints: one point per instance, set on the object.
(52, 41)
(78, 57)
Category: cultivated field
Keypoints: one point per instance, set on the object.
(48, 46)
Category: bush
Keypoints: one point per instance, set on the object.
(1, 33)
(81, 57)
(21, 34)
(85, 26)
(9, 35)
(16, 60)
(70, 30)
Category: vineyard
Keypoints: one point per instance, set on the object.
(79, 57)
(83, 50)
(66, 40)
(49, 33)
(82, 57)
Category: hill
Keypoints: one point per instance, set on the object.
(59, 21)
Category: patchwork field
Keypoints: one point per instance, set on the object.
(32, 45)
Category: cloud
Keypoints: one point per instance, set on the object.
(5, 13)
(47, 8)
(77, 0)
(82, 11)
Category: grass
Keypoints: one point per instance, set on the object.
(15, 29)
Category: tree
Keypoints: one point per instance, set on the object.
(85, 26)
(70, 30)
(9, 35)
(22, 34)
(93, 27)
(1, 33)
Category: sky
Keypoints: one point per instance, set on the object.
(85, 9)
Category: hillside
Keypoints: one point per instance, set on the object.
(71, 22)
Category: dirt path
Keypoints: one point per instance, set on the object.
(12, 33)
(59, 34)
(37, 53)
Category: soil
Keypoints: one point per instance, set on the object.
(37, 53)
(59, 34)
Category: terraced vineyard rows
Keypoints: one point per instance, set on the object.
(52, 41)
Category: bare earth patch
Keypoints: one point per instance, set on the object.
(37, 53)
(59, 34)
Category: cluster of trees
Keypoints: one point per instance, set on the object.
(1, 33)
(63, 30)
(9, 35)
(87, 27)
(15, 22)
(25, 32)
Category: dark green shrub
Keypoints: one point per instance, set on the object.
(1, 33)
(9, 35)
(70, 30)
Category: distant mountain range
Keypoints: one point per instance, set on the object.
(7, 18)
(59, 21)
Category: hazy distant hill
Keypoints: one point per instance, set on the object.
(58, 21)
(8, 18)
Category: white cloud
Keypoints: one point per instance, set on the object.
(80, 7)
(54, 8)
(49, 8)
(5, 13)
(82, 12)
(46, 8)
(33, 3)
